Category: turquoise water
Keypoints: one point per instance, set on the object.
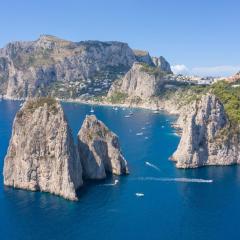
(168, 210)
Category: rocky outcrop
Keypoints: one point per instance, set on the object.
(55, 67)
(99, 150)
(143, 56)
(162, 64)
(140, 81)
(41, 154)
(49, 64)
(207, 138)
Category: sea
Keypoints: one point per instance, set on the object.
(155, 201)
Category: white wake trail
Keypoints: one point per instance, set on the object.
(152, 166)
(190, 180)
(111, 184)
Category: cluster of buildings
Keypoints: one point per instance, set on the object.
(196, 80)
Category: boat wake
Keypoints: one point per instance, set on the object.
(152, 166)
(111, 184)
(187, 180)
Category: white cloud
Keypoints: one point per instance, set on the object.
(224, 70)
(180, 69)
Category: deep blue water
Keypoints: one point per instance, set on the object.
(168, 210)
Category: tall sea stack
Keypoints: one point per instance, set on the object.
(208, 137)
(99, 150)
(41, 154)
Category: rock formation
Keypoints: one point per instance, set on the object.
(143, 56)
(47, 65)
(140, 81)
(162, 64)
(207, 138)
(99, 150)
(55, 67)
(41, 154)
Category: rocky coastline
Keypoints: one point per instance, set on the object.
(207, 116)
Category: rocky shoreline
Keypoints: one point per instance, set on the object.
(137, 81)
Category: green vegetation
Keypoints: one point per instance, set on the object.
(33, 104)
(118, 97)
(230, 97)
(136, 100)
(98, 98)
(152, 70)
(227, 94)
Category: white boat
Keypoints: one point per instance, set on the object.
(139, 194)
(92, 110)
(115, 108)
(21, 104)
(139, 134)
(127, 116)
(156, 111)
(131, 113)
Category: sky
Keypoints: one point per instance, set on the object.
(196, 36)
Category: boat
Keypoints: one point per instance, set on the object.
(92, 110)
(139, 134)
(139, 194)
(155, 111)
(127, 116)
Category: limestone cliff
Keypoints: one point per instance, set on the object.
(99, 150)
(159, 62)
(140, 81)
(143, 56)
(207, 137)
(162, 64)
(41, 154)
(53, 66)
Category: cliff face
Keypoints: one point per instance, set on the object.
(49, 64)
(143, 56)
(99, 150)
(55, 67)
(140, 81)
(206, 138)
(41, 154)
(162, 64)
